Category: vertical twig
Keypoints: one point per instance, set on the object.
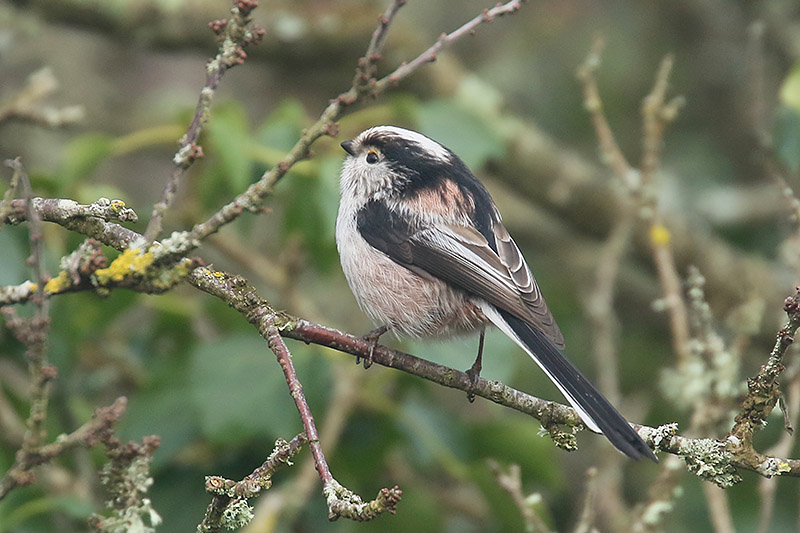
(656, 115)
(33, 332)
(767, 488)
(236, 37)
(588, 513)
(511, 481)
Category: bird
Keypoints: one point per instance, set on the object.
(425, 253)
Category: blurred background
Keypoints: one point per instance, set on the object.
(506, 100)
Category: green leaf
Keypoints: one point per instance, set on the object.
(83, 155)
(239, 391)
(518, 440)
(167, 411)
(283, 126)
(436, 437)
(229, 140)
(790, 89)
(461, 130)
(310, 204)
(12, 258)
(69, 505)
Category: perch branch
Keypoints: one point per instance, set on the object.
(710, 459)
(240, 295)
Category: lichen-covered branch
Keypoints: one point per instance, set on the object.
(100, 427)
(229, 508)
(93, 220)
(126, 478)
(707, 458)
(763, 395)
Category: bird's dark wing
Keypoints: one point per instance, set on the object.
(462, 256)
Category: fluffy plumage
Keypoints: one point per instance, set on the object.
(425, 252)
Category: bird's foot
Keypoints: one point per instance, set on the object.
(372, 338)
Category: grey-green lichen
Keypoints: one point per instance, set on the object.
(710, 460)
(237, 514)
(131, 512)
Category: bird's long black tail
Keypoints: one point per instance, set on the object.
(593, 408)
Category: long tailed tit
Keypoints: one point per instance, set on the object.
(425, 252)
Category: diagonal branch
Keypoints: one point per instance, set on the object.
(240, 295)
(87, 435)
(250, 200)
(236, 35)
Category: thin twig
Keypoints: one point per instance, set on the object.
(33, 332)
(27, 104)
(712, 460)
(344, 400)
(87, 435)
(251, 199)
(593, 103)
(511, 481)
(367, 68)
(284, 356)
(767, 488)
(270, 324)
(229, 507)
(656, 115)
(605, 351)
(719, 509)
(236, 37)
(589, 511)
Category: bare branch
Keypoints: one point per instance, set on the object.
(250, 200)
(33, 332)
(85, 436)
(237, 34)
(270, 324)
(511, 481)
(27, 104)
(656, 115)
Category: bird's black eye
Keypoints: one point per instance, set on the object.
(372, 157)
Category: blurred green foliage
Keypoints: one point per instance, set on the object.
(201, 378)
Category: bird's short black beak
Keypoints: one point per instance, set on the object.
(348, 147)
